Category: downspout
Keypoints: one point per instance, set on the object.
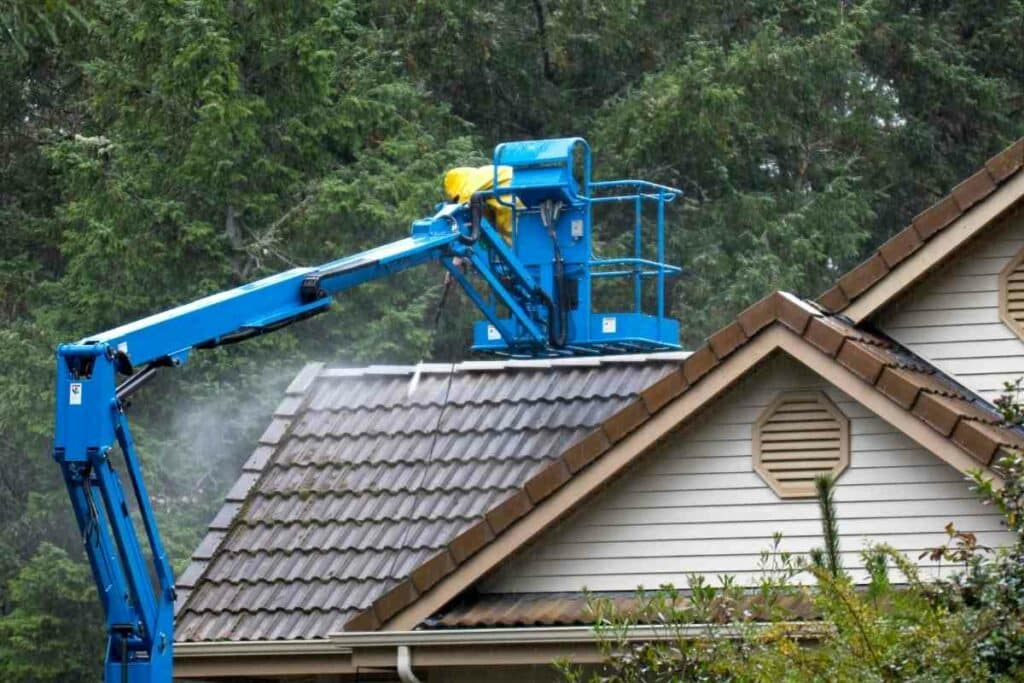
(404, 665)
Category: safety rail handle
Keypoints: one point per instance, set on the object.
(629, 260)
(644, 268)
(666, 191)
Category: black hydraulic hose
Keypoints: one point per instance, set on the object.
(559, 332)
(549, 303)
(135, 382)
(476, 214)
(237, 337)
(124, 658)
(558, 317)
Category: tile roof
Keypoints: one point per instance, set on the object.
(355, 505)
(365, 475)
(924, 227)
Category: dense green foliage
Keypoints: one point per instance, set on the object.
(151, 152)
(966, 626)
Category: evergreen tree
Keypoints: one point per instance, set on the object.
(154, 152)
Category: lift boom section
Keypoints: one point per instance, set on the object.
(535, 289)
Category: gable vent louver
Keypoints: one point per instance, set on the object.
(797, 438)
(1011, 294)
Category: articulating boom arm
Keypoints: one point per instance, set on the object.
(536, 302)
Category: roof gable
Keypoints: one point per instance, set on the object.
(931, 237)
(693, 505)
(955, 317)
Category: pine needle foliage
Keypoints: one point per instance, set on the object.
(827, 558)
(153, 152)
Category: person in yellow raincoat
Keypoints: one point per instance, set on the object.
(460, 184)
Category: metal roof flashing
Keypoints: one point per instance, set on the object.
(502, 365)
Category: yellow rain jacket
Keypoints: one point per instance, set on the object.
(460, 184)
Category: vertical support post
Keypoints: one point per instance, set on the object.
(661, 257)
(162, 566)
(99, 547)
(637, 252)
(116, 507)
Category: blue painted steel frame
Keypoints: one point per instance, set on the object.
(134, 580)
(557, 172)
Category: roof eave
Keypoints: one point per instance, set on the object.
(897, 264)
(935, 251)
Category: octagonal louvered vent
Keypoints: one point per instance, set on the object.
(798, 437)
(1011, 294)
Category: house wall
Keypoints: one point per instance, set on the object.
(537, 673)
(952, 318)
(695, 505)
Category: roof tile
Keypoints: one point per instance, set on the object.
(826, 334)
(699, 364)
(572, 609)
(584, 452)
(758, 316)
(900, 246)
(508, 511)
(926, 224)
(834, 299)
(547, 481)
(974, 189)
(901, 386)
(369, 482)
(936, 217)
(433, 570)
(1007, 162)
(792, 312)
(363, 621)
(664, 390)
(391, 602)
(979, 439)
(863, 276)
(727, 339)
(938, 412)
(625, 421)
(468, 542)
(862, 360)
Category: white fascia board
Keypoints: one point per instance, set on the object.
(245, 648)
(553, 634)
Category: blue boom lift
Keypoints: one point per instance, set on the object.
(534, 287)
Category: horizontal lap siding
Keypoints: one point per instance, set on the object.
(696, 506)
(952, 317)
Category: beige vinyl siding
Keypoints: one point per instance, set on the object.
(952, 317)
(695, 505)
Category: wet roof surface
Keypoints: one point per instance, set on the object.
(363, 475)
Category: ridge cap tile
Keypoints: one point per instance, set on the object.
(304, 379)
(935, 218)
